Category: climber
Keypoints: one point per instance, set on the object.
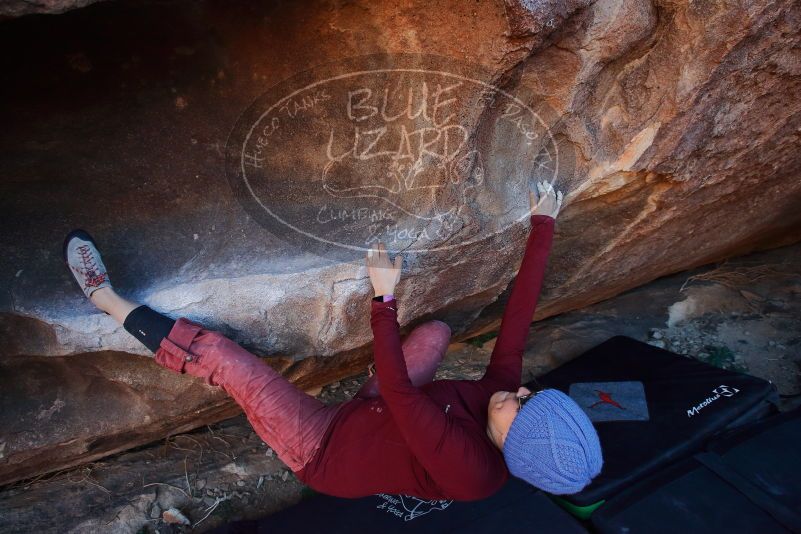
(403, 432)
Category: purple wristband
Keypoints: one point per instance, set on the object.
(389, 297)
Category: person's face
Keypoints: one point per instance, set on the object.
(502, 410)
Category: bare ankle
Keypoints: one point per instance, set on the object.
(102, 298)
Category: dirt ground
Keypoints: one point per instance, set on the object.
(744, 314)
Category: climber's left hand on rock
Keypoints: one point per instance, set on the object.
(383, 274)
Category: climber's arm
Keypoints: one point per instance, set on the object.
(506, 363)
(464, 465)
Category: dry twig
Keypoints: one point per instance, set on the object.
(211, 509)
(186, 474)
(168, 485)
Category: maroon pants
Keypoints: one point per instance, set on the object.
(287, 419)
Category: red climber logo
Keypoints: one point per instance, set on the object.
(606, 398)
(625, 400)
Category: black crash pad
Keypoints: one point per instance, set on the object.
(749, 480)
(652, 407)
(516, 507)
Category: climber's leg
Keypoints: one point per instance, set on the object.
(107, 300)
(423, 350)
(287, 419)
(148, 326)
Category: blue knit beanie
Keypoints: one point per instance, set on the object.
(552, 444)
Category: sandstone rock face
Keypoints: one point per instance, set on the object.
(672, 127)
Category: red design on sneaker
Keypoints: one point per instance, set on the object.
(92, 278)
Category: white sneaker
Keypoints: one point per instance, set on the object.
(83, 259)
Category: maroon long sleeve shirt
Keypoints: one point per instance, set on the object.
(429, 441)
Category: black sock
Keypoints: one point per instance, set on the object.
(148, 326)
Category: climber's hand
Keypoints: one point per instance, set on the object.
(546, 201)
(383, 274)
